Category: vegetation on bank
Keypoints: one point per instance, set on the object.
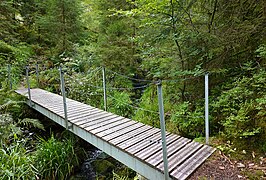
(147, 40)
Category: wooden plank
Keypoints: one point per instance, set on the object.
(132, 134)
(146, 153)
(185, 169)
(152, 140)
(71, 107)
(157, 157)
(116, 119)
(182, 155)
(79, 113)
(120, 132)
(111, 125)
(97, 122)
(48, 105)
(113, 129)
(93, 117)
(139, 138)
(196, 163)
(84, 115)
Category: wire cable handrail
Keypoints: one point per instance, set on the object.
(125, 76)
(120, 88)
(151, 111)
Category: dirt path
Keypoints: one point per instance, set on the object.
(220, 167)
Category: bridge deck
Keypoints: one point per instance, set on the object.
(134, 144)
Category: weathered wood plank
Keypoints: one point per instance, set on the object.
(93, 117)
(132, 134)
(140, 138)
(192, 163)
(120, 132)
(110, 126)
(182, 155)
(157, 158)
(85, 116)
(114, 129)
(77, 116)
(70, 107)
(99, 125)
(155, 139)
(100, 121)
(146, 153)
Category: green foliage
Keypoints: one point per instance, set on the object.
(55, 159)
(117, 177)
(16, 162)
(32, 123)
(10, 113)
(9, 24)
(120, 103)
(16, 57)
(241, 108)
(63, 16)
(49, 79)
(148, 101)
(83, 87)
(189, 123)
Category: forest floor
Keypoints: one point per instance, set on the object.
(219, 166)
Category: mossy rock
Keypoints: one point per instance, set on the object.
(103, 167)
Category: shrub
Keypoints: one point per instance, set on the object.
(240, 110)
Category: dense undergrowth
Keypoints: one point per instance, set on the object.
(25, 157)
(27, 153)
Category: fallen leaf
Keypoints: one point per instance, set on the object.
(221, 167)
(239, 176)
(253, 154)
(240, 165)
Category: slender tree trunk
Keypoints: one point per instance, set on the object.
(183, 89)
(212, 16)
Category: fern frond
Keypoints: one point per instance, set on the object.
(118, 177)
(8, 104)
(32, 123)
(5, 119)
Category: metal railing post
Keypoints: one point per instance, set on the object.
(207, 107)
(28, 84)
(37, 74)
(9, 76)
(162, 124)
(104, 90)
(62, 82)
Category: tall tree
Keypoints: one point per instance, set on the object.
(9, 24)
(60, 26)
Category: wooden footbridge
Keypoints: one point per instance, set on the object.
(136, 145)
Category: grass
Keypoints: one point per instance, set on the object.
(55, 159)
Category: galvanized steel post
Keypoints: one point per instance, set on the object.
(207, 107)
(28, 84)
(62, 81)
(162, 124)
(104, 90)
(9, 76)
(37, 74)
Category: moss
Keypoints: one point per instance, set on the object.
(254, 175)
(103, 167)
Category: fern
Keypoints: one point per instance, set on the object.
(31, 123)
(9, 104)
(118, 177)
